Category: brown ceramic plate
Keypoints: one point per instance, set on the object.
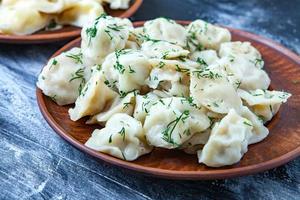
(281, 146)
(67, 32)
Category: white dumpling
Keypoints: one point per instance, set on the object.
(123, 137)
(94, 97)
(206, 57)
(228, 141)
(163, 50)
(170, 81)
(165, 29)
(209, 87)
(22, 19)
(117, 4)
(63, 77)
(104, 36)
(52, 7)
(126, 70)
(264, 103)
(243, 74)
(80, 13)
(119, 105)
(202, 35)
(172, 121)
(143, 105)
(259, 131)
(242, 49)
(196, 142)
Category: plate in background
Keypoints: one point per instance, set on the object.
(66, 32)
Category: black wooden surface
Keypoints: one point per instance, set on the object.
(35, 163)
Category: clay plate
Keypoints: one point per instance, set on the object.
(67, 32)
(281, 146)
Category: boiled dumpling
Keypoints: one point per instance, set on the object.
(264, 103)
(143, 105)
(210, 88)
(165, 29)
(202, 35)
(117, 4)
(163, 49)
(104, 36)
(172, 121)
(241, 49)
(119, 105)
(122, 137)
(243, 74)
(169, 80)
(80, 13)
(259, 131)
(22, 18)
(126, 70)
(228, 141)
(196, 142)
(94, 97)
(205, 58)
(63, 77)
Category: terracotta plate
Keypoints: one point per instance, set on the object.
(281, 146)
(67, 32)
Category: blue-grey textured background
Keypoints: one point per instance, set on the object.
(35, 163)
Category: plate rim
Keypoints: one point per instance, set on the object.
(37, 38)
(173, 174)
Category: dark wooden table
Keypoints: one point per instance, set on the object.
(35, 163)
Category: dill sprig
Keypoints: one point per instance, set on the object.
(201, 61)
(92, 31)
(54, 63)
(192, 39)
(79, 74)
(76, 57)
(167, 133)
(206, 73)
(122, 133)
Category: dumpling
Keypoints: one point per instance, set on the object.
(163, 50)
(22, 18)
(119, 105)
(94, 97)
(165, 29)
(169, 80)
(143, 105)
(264, 103)
(123, 137)
(202, 35)
(196, 142)
(104, 36)
(209, 87)
(259, 131)
(241, 49)
(117, 4)
(126, 70)
(172, 121)
(243, 74)
(63, 77)
(52, 7)
(80, 13)
(228, 141)
(205, 58)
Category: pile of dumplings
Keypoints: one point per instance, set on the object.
(23, 17)
(165, 85)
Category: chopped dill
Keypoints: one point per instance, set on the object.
(76, 57)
